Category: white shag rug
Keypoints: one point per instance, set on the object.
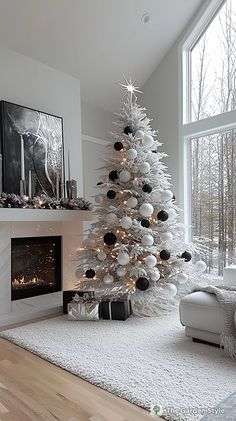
(146, 361)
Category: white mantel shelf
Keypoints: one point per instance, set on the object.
(11, 215)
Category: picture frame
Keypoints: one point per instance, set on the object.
(32, 151)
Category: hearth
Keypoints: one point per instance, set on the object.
(35, 266)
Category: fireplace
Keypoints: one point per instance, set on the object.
(35, 266)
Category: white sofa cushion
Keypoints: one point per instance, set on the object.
(200, 310)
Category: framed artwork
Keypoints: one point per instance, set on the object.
(32, 151)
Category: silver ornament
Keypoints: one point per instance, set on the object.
(151, 261)
(101, 255)
(121, 271)
(124, 176)
(132, 202)
(108, 279)
(146, 209)
(123, 259)
(147, 140)
(144, 168)
(126, 222)
(131, 154)
(147, 240)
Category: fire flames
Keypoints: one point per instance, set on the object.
(23, 282)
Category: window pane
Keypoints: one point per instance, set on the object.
(213, 194)
(213, 64)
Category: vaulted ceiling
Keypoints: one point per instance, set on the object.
(96, 41)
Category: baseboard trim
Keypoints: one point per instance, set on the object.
(12, 318)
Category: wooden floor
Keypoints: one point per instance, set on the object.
(34, 389)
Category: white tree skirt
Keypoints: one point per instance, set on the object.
(146, 361)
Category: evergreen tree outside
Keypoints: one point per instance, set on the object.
(136, 246)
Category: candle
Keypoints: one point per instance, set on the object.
(68, 164)
(62, 175)
(57, 186)
(22, 159)
(30, 184)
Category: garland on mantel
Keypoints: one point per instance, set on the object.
(42, 202)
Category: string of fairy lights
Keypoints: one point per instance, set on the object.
(136, 243)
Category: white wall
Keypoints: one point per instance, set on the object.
(96, 122)
(161, 98)
(94, 151)
(28, 82)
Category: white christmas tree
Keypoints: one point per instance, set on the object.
(136, 246)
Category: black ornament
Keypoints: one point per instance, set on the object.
(186, 256)
(173, 198)
(90, 273)
(113, 175)
(109, 238)
(142, 284)
(111, 194)
(147, 188)
(164, 255)
(128, 130)
(145, 223)
(118, 146)
(162, 216)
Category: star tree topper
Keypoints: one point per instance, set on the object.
(130, 89)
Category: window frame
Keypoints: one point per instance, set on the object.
(193, 129)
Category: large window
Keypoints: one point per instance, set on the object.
(209, 134)
(213, 60)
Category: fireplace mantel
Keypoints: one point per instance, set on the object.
(41, 215)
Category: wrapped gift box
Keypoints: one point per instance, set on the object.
(68, 296)
(116, 310)
(87, 310)
(229, 275)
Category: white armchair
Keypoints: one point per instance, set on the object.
(201, 313)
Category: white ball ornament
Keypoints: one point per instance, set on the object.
(112, 219)
(170, 289)
(147, 240)
(123, 259)
(121, 271)
(167, 195)
(131, 154)
(166, 236)
(155, 275)
(99, 199)
(126, 222)
(144, 168)
(200, 266)
(134, 169)
(172, 214)
(182, 278)
(139, 134)
(146, 209)
(132, 202)
(101, 256)
(108, 279)
(124, 176)
(148, 140)
(151, 261)
(79, 273)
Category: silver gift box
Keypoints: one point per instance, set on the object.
(83, 311)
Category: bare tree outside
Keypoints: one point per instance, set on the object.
(213, 63)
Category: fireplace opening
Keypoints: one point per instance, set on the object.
(35, 266)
